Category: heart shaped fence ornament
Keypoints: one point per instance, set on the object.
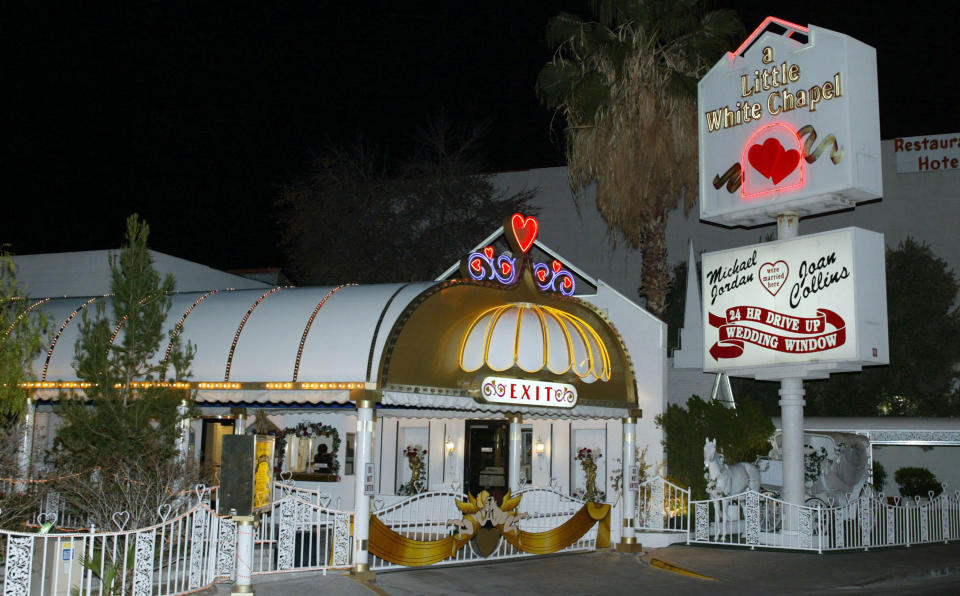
(773, 276)
(47, 517)
(120, 519)
(524, 231)
(378, 504)
(164, 511)
(199, 490)
(286, 476)
(323, 499)
(772, 160)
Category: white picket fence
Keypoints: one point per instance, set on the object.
(427, 516)
(177, 556)
(756, 520)
(182, 554)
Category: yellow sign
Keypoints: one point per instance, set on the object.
(263, 476)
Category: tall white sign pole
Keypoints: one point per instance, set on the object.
(791, 404)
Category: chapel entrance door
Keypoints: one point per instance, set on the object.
(487, 448)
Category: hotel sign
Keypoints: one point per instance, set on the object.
(789, 122)
(932, 153)
(816, 301)
(503, 390)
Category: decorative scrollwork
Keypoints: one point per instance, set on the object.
(752, 516)
(838, 527)
(891, 529)
(227, 548)
(143, 563)
(286, 535)
(554, 279)
(702, 521)
(806, 528)
(16, 577)
(341, 539)
(655, 509)
(196, 551)
(482, 266)
(924, 523)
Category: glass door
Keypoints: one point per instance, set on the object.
(487, 447)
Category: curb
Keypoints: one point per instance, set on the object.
(660, 564)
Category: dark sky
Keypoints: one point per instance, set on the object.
(193, 113)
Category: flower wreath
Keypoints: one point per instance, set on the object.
(308, 429)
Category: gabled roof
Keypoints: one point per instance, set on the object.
(87, 273)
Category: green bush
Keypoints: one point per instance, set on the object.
(742, 435)
(879, 476)
(917, 482)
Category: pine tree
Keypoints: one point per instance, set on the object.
(22, 337)
(125, 428)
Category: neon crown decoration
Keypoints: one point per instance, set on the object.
(521, 233)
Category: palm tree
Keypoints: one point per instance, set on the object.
(626, 86)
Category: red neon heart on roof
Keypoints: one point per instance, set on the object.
(506, 268)
(524, 230)
(542, 275)
(556, 266)
(475, 264)
(488, 251)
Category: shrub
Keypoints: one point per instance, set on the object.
(879, 476)
(917, 482)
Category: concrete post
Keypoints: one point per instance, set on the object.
(516, 453)
(628, 541)
(363, 455)
(243, 583)
(25, 452)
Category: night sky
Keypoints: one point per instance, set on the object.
(193, 114)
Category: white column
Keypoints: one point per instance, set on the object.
(26, 444)
(516, 453)
(363, 455)
(243, 582)
(183, 441)
(628, 540)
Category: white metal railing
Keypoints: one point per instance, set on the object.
(427, 516)
(757, 520)
(301, 532)
(176, 556)
(661, 506)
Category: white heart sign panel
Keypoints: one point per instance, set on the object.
(773, 276)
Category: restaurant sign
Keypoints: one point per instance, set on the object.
(931, 153)
(789, 122)
(816, 301)
(503, 390)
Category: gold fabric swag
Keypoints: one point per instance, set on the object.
(400, 550)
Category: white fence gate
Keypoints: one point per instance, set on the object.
(661, 506)
(426, 516)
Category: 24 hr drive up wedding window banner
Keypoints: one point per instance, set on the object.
(814, 304)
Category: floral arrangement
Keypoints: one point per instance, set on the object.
(586, 453)
(587, 458)
(415, 455)
(305, 430)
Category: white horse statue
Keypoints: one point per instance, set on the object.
(726, 480)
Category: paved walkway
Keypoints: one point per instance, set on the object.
(928, 569)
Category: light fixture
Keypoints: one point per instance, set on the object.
(450, 445)
(540, 447)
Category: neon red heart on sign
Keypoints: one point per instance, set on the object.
(542, 275)
(524, 230)
(488, 251)
(772, 161)
(475, 264)
(506, 268)
(556, 266)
